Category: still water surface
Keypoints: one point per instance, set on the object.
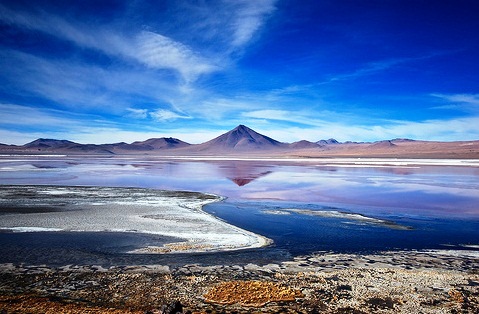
(418, 206)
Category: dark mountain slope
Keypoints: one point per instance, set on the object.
(240, 138)
(159, 143)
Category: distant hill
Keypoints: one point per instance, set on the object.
(402, 140)
(243, 141)
(159, 143)
(303, 144)
(327, 142)
(64, 146)
(382, 144)
(46, 143)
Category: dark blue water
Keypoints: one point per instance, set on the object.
(301, 234)
(108, 249)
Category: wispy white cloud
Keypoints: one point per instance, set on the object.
(76, 85)
(84, 35)
(472, 99)
(158, 51)
(167, 115)
(230, 24)
(250, 17)
(237, 21)
(215, 108)
(463, 103)
(159, 115)
(25, 116)
(371, 68)
(304, 117)
(137, 113)
(116, 88)
(382, 65)
(148, 48)
(133, 93)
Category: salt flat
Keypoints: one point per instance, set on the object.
(352, 161)
(95, 209)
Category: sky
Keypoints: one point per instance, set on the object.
(354, 70)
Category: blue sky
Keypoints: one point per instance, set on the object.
(360, 70)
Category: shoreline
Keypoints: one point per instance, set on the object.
(334, 161)
(340, 160)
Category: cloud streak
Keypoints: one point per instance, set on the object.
(170, 67)
(158, 51)
(151, 48)
(167, 115)
(466, 100)
(383, 65)
(145, 47)
(250, 17)
(75, 85)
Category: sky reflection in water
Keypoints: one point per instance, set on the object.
(440, 203)
(421, 190)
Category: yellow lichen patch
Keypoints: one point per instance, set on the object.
(456, 296)
(251, 293)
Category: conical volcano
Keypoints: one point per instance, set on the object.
(241, 138)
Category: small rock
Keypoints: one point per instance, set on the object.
(173, 308)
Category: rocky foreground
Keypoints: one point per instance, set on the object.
(391, 282)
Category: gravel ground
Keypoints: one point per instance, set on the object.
(390, 282)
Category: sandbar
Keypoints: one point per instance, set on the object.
(175, 214)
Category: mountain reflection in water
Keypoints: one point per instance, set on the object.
(402, 189)
(437, 202)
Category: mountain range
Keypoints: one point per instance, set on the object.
(243, 141)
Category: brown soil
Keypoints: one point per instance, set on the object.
(34, 304)
(251, 293)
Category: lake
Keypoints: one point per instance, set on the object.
(305, 206)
